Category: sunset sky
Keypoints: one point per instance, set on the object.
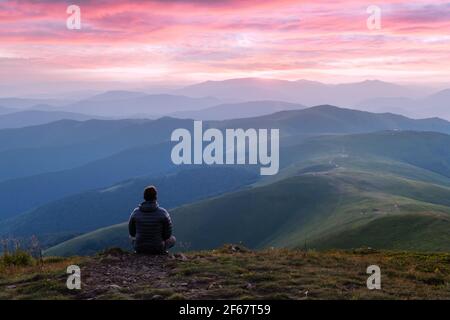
(187, 41)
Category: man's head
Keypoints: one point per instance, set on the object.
(150, 193)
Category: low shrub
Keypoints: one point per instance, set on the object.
(19, 258)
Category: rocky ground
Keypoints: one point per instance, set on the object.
(125, 275)
(233, 272)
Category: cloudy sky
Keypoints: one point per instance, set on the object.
(186, 41)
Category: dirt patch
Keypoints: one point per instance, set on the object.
(117, 273)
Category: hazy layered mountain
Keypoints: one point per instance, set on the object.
(435, 105)
(317, 119)
(399, 105)
(394, 163)
(238, 110)
(25, 103)
(135, 104)
(145, 147)
(330, 120)
(369, 95)
(36, 117)
(4, 110)
(67, 144)
(305, 150)
(94, 209)
(69, 132)
(306, 92)
(22, 194)
(59, 133)
(117, 95)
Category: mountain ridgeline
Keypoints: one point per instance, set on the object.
(347, 179)
(331, 192)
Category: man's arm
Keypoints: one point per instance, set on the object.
(167, 227)
(132, 226)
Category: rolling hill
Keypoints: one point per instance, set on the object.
(314, 141)
(5, 110)
(98, 208)
(22, 194)
(120, 148)
(70, 132)
(36, 117)
(25, 103)
(309, 209)
(420, 156)
(329, 185)
(315, 120)
(424, 150)
(434, 105)
(135, 104)
(333, 120)
(238, 110)
(68, 144)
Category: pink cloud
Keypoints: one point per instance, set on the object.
(220, 39)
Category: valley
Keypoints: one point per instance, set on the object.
(347, 179)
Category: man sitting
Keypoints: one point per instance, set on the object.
(150, 226)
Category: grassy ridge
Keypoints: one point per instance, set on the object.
(232, 272)
(398, 232)
(412, 166)
(306, 209)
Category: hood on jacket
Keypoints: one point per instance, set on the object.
(148, 206)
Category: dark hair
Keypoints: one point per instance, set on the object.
(150, 193)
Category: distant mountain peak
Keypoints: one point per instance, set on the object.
(116, 94)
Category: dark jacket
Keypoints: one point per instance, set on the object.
(151, 226)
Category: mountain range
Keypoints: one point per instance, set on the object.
(437, 104)
(356, 194)
(236, 98)
(138, 105)
(90, 210)
(132, 148)
(306, 92)
(37, 117)
(238, 110)
(4, 110)
(348, 178)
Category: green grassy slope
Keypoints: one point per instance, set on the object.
(303, 209)
(399, 232)
(426, 150)
(328, 185)
(392, 153)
